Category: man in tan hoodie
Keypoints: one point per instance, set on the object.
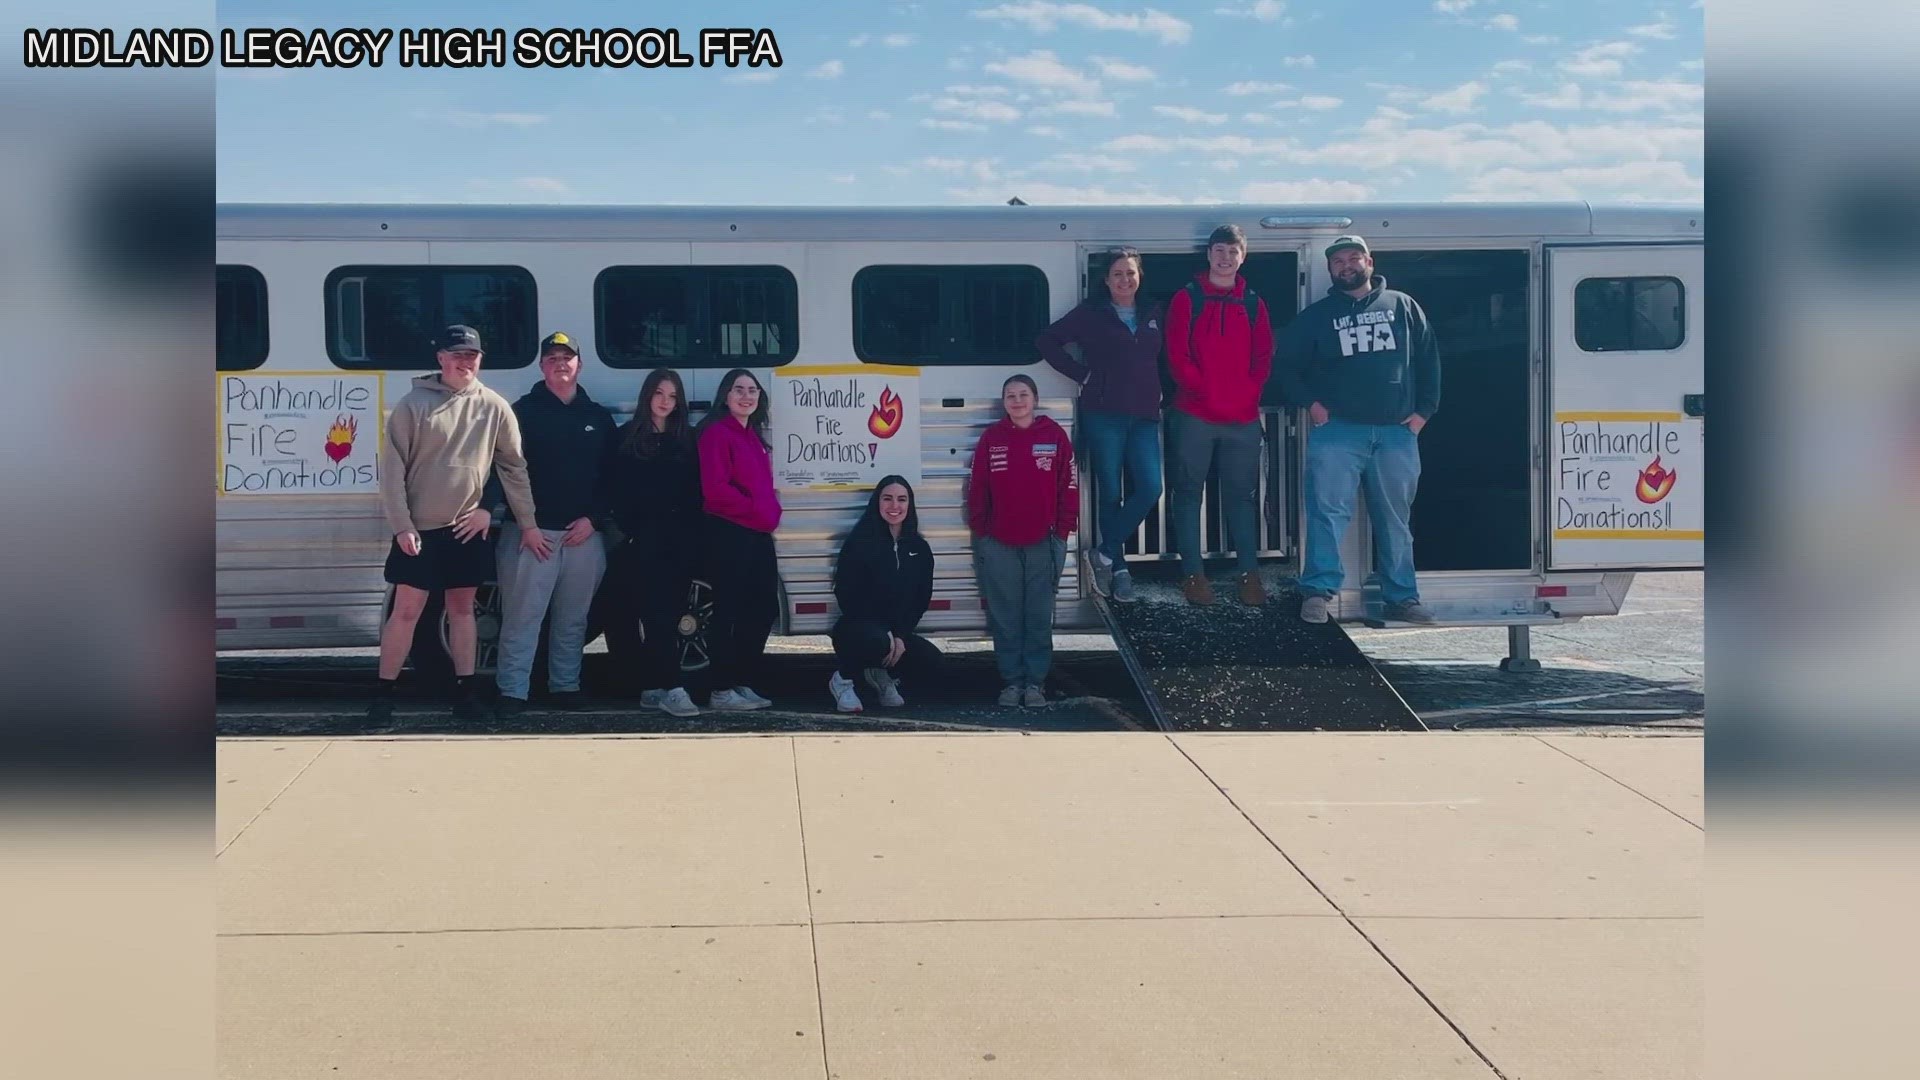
(442, 438)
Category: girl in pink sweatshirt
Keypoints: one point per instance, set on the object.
(741, 512)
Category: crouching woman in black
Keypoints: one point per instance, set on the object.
(884, 583)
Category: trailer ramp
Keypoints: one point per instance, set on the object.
(1233, 668)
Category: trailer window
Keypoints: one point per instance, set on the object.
(387, 317)
(1638, 314)
(696, 316)
(239, 318)
(948, 315)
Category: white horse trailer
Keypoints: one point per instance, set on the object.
(1566, 454)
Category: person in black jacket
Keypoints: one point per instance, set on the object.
(656, 505)
(568, 439)
(884, 583)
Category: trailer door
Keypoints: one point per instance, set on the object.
(1625, 462)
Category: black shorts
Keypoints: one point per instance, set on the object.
(443, 562)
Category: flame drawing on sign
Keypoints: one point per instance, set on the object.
(1655, 483)
(340, 438)
(887, 416)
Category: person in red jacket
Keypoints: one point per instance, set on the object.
(741, 512)
(1220, 352)
(1022, 503)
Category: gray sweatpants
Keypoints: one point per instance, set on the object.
(529, 588)
(1018, 583)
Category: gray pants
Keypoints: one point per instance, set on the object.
(1196, 445)
(529, 588)
(1018, 584)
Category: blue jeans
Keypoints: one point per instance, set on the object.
(1384, 461)
(1195, 446)
(1118, 443)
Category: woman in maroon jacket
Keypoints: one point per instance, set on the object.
(742, 510)
(1022, 503)
(1119, 411)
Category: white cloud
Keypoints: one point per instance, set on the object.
(1121, 71)
(1256, 118)
(546, 185)
(1043, 17)
(1512, 67)
(1600, 61)
(1263, 10)
(1388, 142)
(501, 119)
(1638, 181)
(879, 114)
(1304, 191)
(1190, 115)
(1662, 30)
(1243, 89)
(1298, 61)
(1694, 65)
(859, 41)
(1077, 162)
(1460, 99)
(898, 41)
(1041, 193)
(1046, 131)
(846, 178)
(1670, 96)
(1320, 101)
(1077, 107)
(1451, 7)
(1045, 69)
(1210, 146)
(981, 169)
(1503, 21)
(973, 108)
(1541, 39)
(1225, 164)
(759, 76)
(1148, 144)
(953, 125)
(1388, 112)
(1568, 96)
(832, 69)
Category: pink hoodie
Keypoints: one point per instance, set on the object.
(736, 477)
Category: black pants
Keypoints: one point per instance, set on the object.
(859, 644)
(647, 588)
(740, 566)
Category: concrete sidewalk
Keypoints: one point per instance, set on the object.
(878, 907)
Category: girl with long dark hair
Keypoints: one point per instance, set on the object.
(884, 584)
(656, 504)
(742, 510)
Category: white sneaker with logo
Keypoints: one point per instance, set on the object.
(746, 692)
(678, 702)
(886, 686)
(844, 697)
(730, 701)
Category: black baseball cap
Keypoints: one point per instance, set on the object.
(459, 337)
(559, 340)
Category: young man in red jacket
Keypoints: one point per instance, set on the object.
(1220, 351)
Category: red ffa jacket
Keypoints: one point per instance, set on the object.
(1219, 358)
(1024, 486)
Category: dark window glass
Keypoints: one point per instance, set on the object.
(239, 318)
(388, 317)
(696, 316)
(1638, 314)
(948, 315)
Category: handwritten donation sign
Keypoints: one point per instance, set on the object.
(299, 434)
(838, 426)
(1627, 476)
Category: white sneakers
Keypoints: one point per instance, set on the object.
(738, 699)
(675, 701)
(844, 697)
(883, 681)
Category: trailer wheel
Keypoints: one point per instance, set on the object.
(695, 653)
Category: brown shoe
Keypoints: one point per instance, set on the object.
(1199, 592)
(1252, 592)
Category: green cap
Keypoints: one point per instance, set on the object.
(1348, 241)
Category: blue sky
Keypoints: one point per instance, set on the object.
(975, 102)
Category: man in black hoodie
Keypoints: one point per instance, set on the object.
(1364, 363)
(569, 441)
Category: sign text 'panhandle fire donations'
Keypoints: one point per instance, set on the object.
(299, 434)
(845, 426)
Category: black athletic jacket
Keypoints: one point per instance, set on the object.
(885, 580)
